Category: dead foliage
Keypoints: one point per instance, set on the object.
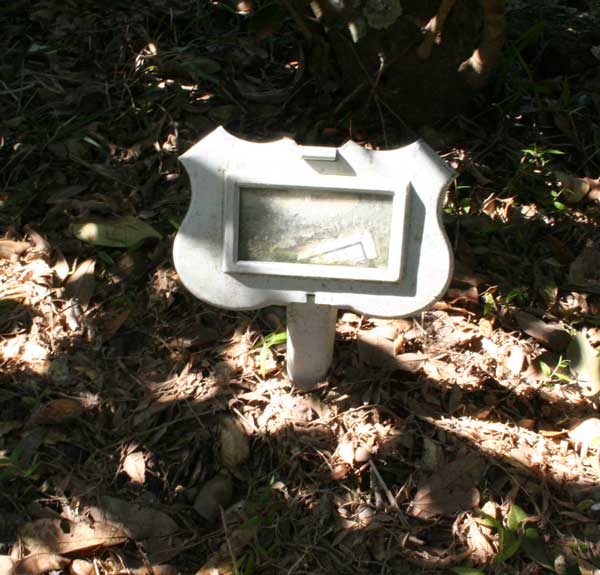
(142, 431)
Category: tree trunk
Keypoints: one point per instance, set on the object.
(421, 58)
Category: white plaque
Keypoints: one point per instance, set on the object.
(279, 223)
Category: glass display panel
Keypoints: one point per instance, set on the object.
(312, 226)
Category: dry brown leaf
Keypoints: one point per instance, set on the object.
(124, 232)
(345, 451)
(458, 333)
(81, 567)
(433, 454)
(362, 454)
(478, 542)
(380, 351)
(375, 349)
(37, 271)
(42, 563)
(552, 432)
(216, 493)
(586, 431)
(584, 364)
(7, 567)
(574, 189)
(553, 336)
(450, 489)
(490, 348)
(385, 329)
(468, 295)
(403, 324)
(593, 336)
(56, 411)
(12, 249)
(80, 286)
(411, 362)
(220, 563)
(584, 272)
(235, 448)
(224, 567)
(135, 467)
(114, 324)
(399, 343)
(61, 266)
(73, 315)
(429, 506)
(514, 360)
(339, 471)
(153, 529)
(40, 242)
(60, 537)
(138, 522)
(587, 568)
(349, 317)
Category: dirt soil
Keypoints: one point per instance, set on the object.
(143, 431)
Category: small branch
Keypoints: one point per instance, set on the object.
(388, 494)
(434, 29)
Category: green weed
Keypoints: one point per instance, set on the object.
(264, 513)
(268, 342)
(555, 375)
(516, 536)
(12, 467)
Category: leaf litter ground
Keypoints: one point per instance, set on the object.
(143, 431)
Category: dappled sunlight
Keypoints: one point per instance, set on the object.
(148, 52)
(183, 405)
(547, 454)
(145, 432)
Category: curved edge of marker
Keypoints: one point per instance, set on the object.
(220, 136)
(443, 175)
(205, 163)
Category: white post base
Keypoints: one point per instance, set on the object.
(310, 339)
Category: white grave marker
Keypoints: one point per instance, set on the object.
(314, 229)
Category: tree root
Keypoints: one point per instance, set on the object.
(477, 68)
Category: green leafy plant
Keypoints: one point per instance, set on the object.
(540, 157)
(516, 536)
(516, 79)
(537, 161)
(263, 513)
(518, 296)
(556, 374)
(12, 467)
(264, 507)
(489, 303)
(268, 342)
(556, 201)
(245, 565)
(459, 205)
